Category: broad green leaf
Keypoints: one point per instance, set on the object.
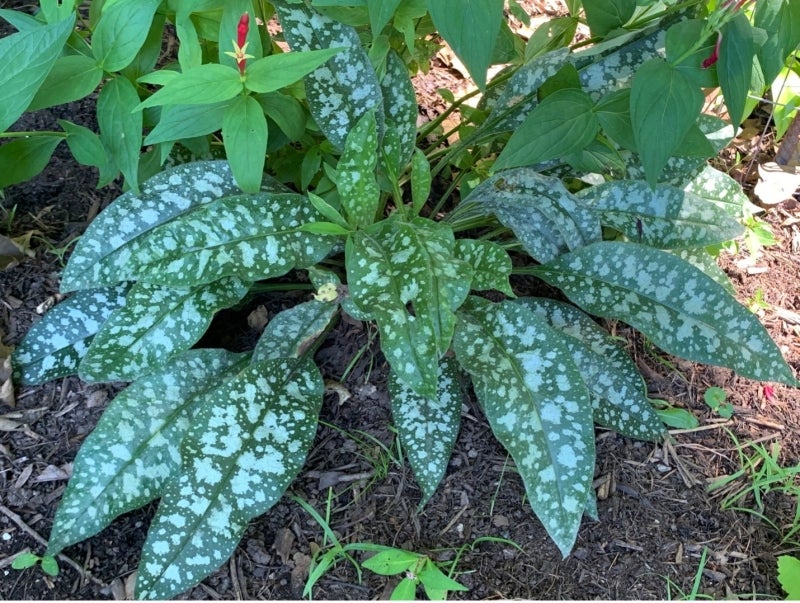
(678, 418)
(677, 306)
(664, 106)
(155, 324)
(436, 583)
(389, 563)
(406, 276)
(291, 332)
(23, 158)
(20, 21)
(683, 53)
(551, 35)
(251, 237)
(428, 426)
(420, 180)
(54, 346)
(400, 109)
(619, 395)
(604, 16)
(735, 65)
(24, 561)
(280, 70)
(665, 217)
(491, 263)
(287, 112)
(789, 576)
(703, 260)
(148, 55)
(722, 190)
(50, 565)
(71, 78)
(244, 132)
(130, 455)
(546, 218)
(104, 247)
(187, 121)
(57, 10)
(190, 52)
(121, 32)
(27, 57)
(327, 210)
(614, 115)
(203, 85)
(355, 173)
(781, 20)
(245, 445)
(537, 405)
(406, 590)
(564, 122)
(380, 12)
(121, 128)
(471, 28)
(343, 89)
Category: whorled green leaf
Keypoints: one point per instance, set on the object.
(491, 263)
(343, 89)
(665, 217)
(245, 134)
(202, 85)
(120, 128)
(246, 444)
(23, 158)
(619, 395)
(537, 405)
(251, 237)
(155, 324)
(87, 149)
(407, 277)
(121, 31)
(677, 306)
(400, 109)
(291, 332)
(104, 248)
(282, 69)
(722, 190)
(54, 346)
(546, 218)
(130, 455)
(187, 121)
(428, 427)
(71, 78)
(355, 172)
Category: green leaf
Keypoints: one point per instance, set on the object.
(104, 247)
(280, 70)
(121, 32)
(789, 576)
(148, 55)
(406, 276)
(471, 28)
(50, 565)
(678, 418)
(400, 109)
(244, 132)
(537, 405)
(545, 217)
(55, 345)
(707, 262)
(355, 173)
(71, 78)
(683, 53)
(389, 563)
(380, 12)
(24, 561)
(781, 21)
(551, 35)
(735, 65)
(434, 580)
(665, 216)
(420, 180)
(88, 149)
(21, 21)
(428, 427)
(619, 395)
(677, 306)
(121, 128)
(244, 447)
(406, 590)
(187, 121)
(604, 16)
(327, 210)
(491, 263)
(346, 87)
(203, 85)
(27, 57)
(292, 331)
(723, 191)
(287, 112)
(664, 106)
(131, 455)
(23, 158)
(614, 115)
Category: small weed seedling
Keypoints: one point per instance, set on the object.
(715, 399)
(26, 560)
(789, 576)
(694, 594)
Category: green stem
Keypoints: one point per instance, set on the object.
(266, 287)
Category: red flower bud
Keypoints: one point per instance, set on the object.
(242, 29)
(714, 55)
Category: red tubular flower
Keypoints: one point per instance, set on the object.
(240, 45)
(714, 55)
(242, 29)
(769, 393)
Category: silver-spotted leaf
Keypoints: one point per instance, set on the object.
(664, 216)
(491, 263)
(246, 444)
(619, 395)
(407, 277)
(677, 306)
(400, 109)
(722, 190)
(130, 455)
(537, 405)
(546, 218)
(293, 330)
(702, 259)
(343, 89)
(55, 346)
(428, 427)
(355, 172)
(155, 324)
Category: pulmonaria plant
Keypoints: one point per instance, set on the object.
(586, 167)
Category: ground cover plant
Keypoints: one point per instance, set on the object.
(583, 168)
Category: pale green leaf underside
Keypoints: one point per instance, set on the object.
(677, 306)
(619, 395)
(546, 218)
(246, 444)
(55, 345)
(129, 457)
(664, 217)
(428, 427)
(491, 263)
(291, 331)
(537, 405)
(155, 324)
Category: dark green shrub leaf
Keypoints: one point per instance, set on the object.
(537, 405)
(665, 217)
(604, 16)
(681, 38)
(279, 70)
(71, 78)
(355, 173)
(491, 263)
(677, 306)
(344, 89)
(121, 32)
(245, 445)
(389, 563)
(203, 85)
(23, 158)
(121, 127)
(55, 345)
(614, 115)
(428, 427)
(187, 121)
(130, 455)
(291, 332)
(735, 65)
(780, 19)
(244, 132)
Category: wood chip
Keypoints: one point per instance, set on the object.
(787, 315)
(52, 473)
(284, 540)
(24, 477)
